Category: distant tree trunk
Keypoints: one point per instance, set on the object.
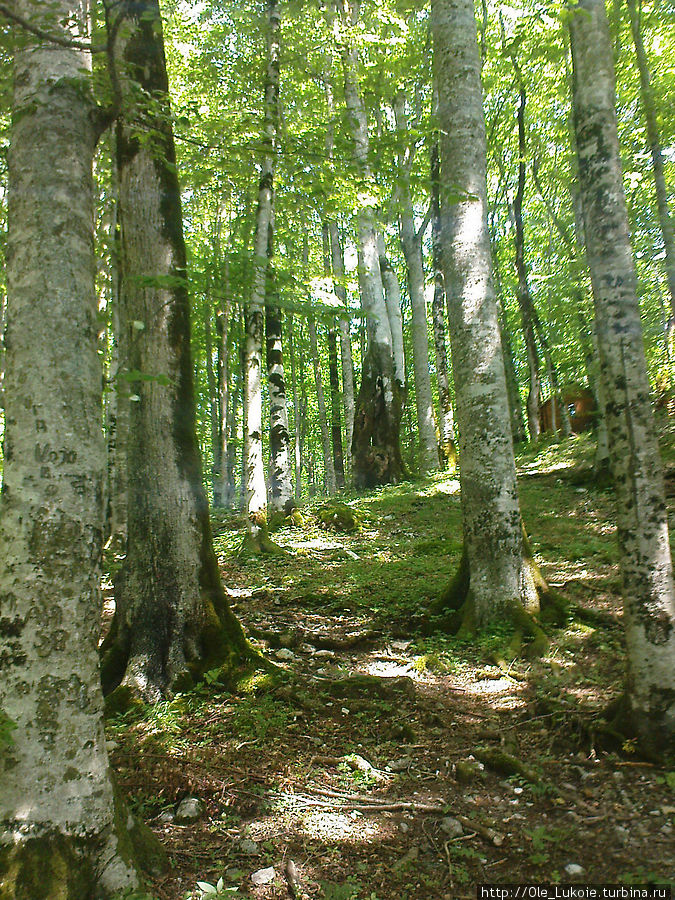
(497, 574)
(3, 323)
(446, 419)
(257, 539)
(411, 243)
(392, 297)
(225, 493)
(525, 303)
(60, 835)
(331, 486)
(654, 139)
(338, 265)
(172, 620)
(376, 448)
(334, 377)
(282, 499)
(212, 384)
(297, 454)
(649, 597)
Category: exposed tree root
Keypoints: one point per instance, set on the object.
(261, 543)
(455, 611)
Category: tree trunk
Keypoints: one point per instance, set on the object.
(446, 419)
(212, 383)
(524, 297)
(411, 243)
(654, 139)
(59, 832)
(334, 377)
(649, 598)
(376, 448)
(225, 492)
(338, 265)
(3, 323)
(257, 539)
(331, 486)
(496, 575)
(172, 621)
(281, 487)
(297, 454)
(392, 297)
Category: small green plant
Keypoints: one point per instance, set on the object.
(347, 890)
(204, 890)
(7, 726)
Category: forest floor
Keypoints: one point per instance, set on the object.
(368, 771)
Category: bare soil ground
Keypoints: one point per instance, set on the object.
(366, 770)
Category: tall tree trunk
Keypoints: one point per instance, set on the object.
(525, 303)
(411, 243)
(172, 619)
(297, 450)
(392, 298)
(496, 574)
(331, 486)
(334, 377)
(225, 492)
(3, 323)
(446, 419)
(257, 539)
(59, 832)
(281, 487)
(376, 450)
(338, 265)
(654, 139)
(212, 384)
(649, 597)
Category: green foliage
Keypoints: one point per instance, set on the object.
(7, 727)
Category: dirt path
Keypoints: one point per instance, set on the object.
(370, 772)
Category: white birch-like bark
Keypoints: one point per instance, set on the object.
(297, 431)
(281, 481)
(256, 491)
(392, 299)
(493, 541)
(412, 250)
(56, 795)
(649, 597)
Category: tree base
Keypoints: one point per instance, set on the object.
(455, 611)
(256, 545)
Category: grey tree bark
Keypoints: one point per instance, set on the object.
(331, 485)
(338, 265)
(654, 140)
(446, 415)
(376, 451)
(60, 836)
(649, 597)
(497, 574)
(411, 243)
(297, 431)
(172, 620)
(257, 539)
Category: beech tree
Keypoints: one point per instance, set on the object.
(172, 620)
(60, 835)
(649, 597)
(497, 575)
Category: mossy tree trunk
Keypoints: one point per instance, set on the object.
(59, 838)
(497, 577)
(649, 596)
(172, 620)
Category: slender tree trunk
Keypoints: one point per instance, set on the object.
(446, 418)
(172, 619)
(331, 486)
(338, 266)
(3, 323)
(496, 573)
(59, 833)
(212, 383)
(376, 448)
(654, 139)
(225, 493)
(649, 597)
(297, 456)
(411, 243)
(392, 297)
(524, 297)
(257, 538)
(282, 499)
(336, 403)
